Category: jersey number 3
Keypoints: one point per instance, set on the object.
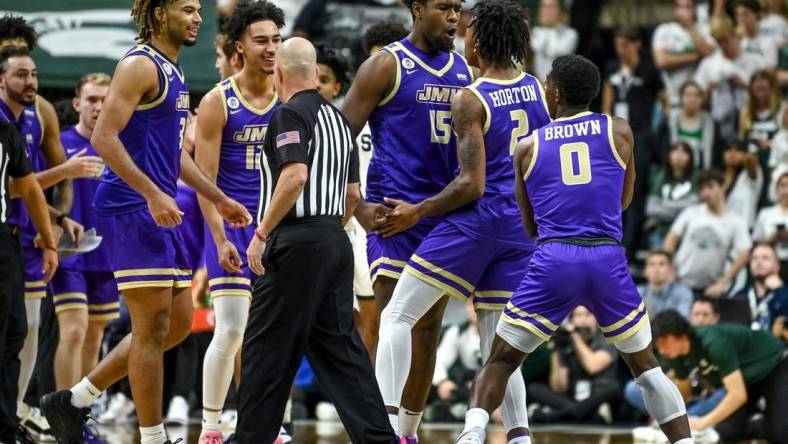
(575, 163)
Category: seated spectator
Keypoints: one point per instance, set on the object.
(334, 73)
(760, 120)
(704, 312)
(694, 126)
(767, 296)
(629, 91)
(725, 74)
(743, 180)
(748, 13)
(703, 397)
(677, 48)
(672, 190)
(778, 157)
(749, 364)
(662, 291)
(582, 374)
(773, 23)
(551, 38)
(771, 224)
(711, 237)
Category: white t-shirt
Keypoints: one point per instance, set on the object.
(717, 67)
(709, 243)
(775, 27)
(673, 38)
(744, 195)
(761, 46)
(550, 43)
(768, 220)
(364, 144)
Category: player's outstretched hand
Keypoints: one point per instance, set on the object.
(229, 258)
(79, 165)
(235, 213)
(49, 262)
(74, 229)
(371, 216)
(404, 216)
(254, 255)
(164, 210)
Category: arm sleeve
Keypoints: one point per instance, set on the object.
(289, 137)
(353, 175)
(18, 163)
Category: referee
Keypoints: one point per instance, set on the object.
(303, 300)
(13, 320)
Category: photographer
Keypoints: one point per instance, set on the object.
(582, 374)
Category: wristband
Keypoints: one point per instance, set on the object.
(261, 237)
(59, 219)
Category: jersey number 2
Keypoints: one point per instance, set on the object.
(521, 119)
(569, 174)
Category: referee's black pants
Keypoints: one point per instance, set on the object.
(303, 305)
(13, 329)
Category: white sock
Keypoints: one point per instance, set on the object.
(394, 420)
(409, 422)
(520, 440)
(211, 420)
(27, 356)
(685, 441)
(288, 409)
(231, 314)
(84, 394)
(411, 300)
(476, 418)
(153, 435)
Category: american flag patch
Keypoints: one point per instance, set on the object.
(287, 138)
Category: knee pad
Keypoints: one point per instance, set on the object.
(637, 342)
(663, 400)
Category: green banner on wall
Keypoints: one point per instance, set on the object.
(80, 36)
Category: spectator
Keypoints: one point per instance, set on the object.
(677, 48)
(582, 374)
(692, 124)
(744, 181)
(551, 38)
(672, 190)
(760, 120)
(711, 238)
(703, 397)
(334, 73)
(662, 291)
(381, 34)
(228, 61)
(778, 156)
(773, 23)
(629, 91)
(748, 13)
(772, 222)
(704, 312)
(749, 364)
(767, 296)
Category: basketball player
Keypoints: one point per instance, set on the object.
(405, 91)
(140, 134)
(231, 125)
(574, 177)
(84, 290)
(479, 249)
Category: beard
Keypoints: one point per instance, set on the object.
(190, 42)
(19, 97)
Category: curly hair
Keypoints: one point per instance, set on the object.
(577, 78)
(249, 12)
(670, 323)
(143, 16)
(15, 26)
(337, 63)
(383, 33)
(501, 31)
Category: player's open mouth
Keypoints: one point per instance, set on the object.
(451, 32)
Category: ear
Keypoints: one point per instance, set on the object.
(417, 9)
(160, 14)
(75, 104)
(239, 48)
(337, 89)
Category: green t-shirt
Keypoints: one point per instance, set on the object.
(717, 351)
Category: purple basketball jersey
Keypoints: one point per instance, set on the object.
(576, 179)
(153, 138)
(514, 108)
(31, 128)
(242, 145)
(415, 149)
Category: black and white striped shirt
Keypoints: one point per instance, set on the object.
(13, 163)
(309, 130)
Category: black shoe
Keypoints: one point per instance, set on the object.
(65, 420)
(23, 437)
(176, 441)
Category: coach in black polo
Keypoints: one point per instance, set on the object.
(302, 301)
(13, 320)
